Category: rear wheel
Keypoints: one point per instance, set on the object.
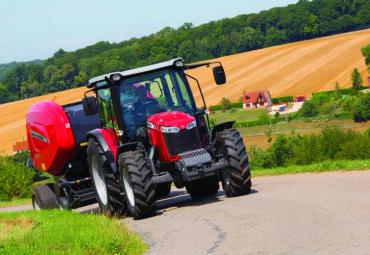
(107, 188)
(163, 189)
(236, 178)
(138, 184)
(203, 188)
(44, 198)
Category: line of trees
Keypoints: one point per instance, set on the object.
(304, 20)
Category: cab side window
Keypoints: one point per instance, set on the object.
(107, 115)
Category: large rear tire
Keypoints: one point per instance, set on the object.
(163, 189)
(43, 198)
(236, 179)
(203, 188)
(108, 190)
(138, 184)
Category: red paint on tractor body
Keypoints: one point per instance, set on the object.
(50, 137)
(111, 139)
(166, 119)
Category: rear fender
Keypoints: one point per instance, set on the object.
(220, 127)
(109, 144)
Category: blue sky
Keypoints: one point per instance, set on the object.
(38, 28)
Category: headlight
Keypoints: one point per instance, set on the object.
(191, 125)
(150, 125)
(170, 129)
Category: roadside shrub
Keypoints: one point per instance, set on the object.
(282, 149)
(260, 158)
(330, 144)
(15, 180)
(361, 111)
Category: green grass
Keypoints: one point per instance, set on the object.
(238, 115)
(22, 201)
(65, 232)
(345, 165)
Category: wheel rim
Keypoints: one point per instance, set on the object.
(128, 189)
(99, 181)
(36, 205)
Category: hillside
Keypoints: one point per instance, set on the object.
(307, 19)
(292, 69)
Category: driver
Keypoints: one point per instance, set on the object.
(144, 98)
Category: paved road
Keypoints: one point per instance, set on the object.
(301, 214)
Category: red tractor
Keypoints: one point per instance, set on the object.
(125, 146)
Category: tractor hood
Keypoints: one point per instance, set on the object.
(170, 119)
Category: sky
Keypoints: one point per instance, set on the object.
(37, 29)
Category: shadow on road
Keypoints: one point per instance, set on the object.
(180, 198)
(176, 199)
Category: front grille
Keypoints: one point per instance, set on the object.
(185, 140)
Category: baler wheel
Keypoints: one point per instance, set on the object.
(203, 188)
(108, 191)
(43, 198)
(138, 185)
(236, 179)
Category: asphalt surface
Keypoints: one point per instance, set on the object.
(301, 214)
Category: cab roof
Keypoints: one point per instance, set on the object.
(139, 70)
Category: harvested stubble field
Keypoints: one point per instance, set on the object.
(292, 69)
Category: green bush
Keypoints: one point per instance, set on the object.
(280, 100)
(309, 109)
(362, 109)
(330, 144)
(260, 158)
(15, 180)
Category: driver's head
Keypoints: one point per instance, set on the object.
(142, 92)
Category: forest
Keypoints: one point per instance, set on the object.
(303, 20)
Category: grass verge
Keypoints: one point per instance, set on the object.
(15, 202)
(326, 166)
(65, 232)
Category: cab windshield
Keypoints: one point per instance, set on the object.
(145, 95)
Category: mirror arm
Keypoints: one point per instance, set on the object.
(88, 91)
(201, 94)
(193, 66)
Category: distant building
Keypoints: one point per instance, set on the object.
(300, 99)
(257, 99)
(20, 146)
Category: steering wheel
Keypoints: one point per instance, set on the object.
(152, 107)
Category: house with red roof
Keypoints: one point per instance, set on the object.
(257, 99)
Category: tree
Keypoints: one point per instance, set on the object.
(309, 109)
(225, 103)
(366, 53)
(362, 109)
(356, 79)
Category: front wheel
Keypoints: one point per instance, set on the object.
(107, 188)
(236, 178)
(138, 185)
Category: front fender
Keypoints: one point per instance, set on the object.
(109, 144)
(220, 127)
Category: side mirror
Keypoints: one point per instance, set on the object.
(90, 105)
(219, 75)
